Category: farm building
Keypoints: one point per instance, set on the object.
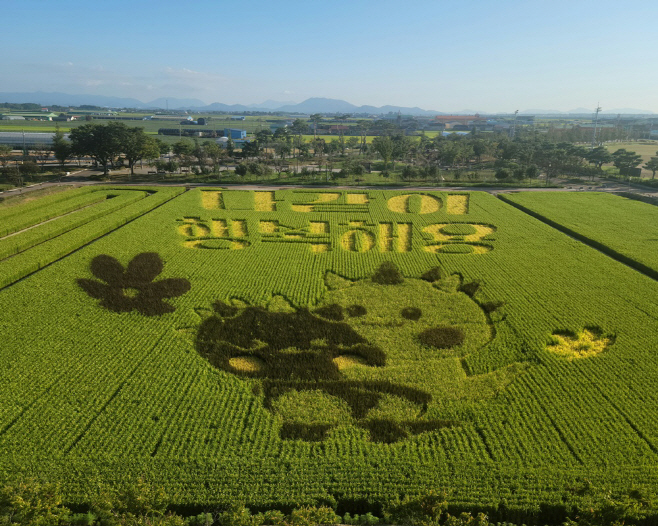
(12, 118)
(35, 116)
(238, 118)
(235, 133)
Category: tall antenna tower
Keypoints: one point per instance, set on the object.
(514, 125)
(596, 121)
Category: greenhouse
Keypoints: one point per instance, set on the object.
(29, 141)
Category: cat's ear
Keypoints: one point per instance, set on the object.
(335, 282)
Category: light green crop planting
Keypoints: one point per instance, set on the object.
(287, 347)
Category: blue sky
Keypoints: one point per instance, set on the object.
(445, 55)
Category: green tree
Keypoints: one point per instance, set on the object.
(163, 146)
(215, 153)
(316, 118)
(250, 149)
(61, 147)
(299, 127)
(599, 156)
(480, 148)
(263, 138)
(363, 126)
(652, 164)
(230, 147)
(5, 155)
(136, 145)
(282, 149)
(184, 151)
(200, 156)
(625, 160)
(103, 143)
(401, 147)
(281, 134)
(383, 145)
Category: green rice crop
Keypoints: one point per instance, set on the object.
(622, 227)
(287, 366)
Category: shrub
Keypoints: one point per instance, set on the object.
(313, 516)
(411, 313)
(408, 172)
(502, 174)
(425, 510)
(353, 311)
(433, 274)
(387, 274)
(31, 502)
(331, 312)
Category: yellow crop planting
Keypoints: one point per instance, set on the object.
(357, 241)
(212, 200)
(264, 202)
(248, 364)
(319, 227)
(458, 204)
(268, 227)
(348, 360)
(584, 345)
(357, 199)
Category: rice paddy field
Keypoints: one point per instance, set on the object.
(344, 347)
(624, 228)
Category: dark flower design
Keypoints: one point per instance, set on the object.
(133, 288)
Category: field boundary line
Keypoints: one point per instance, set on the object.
(29, 406)
(107, 402)
(80, 224)
(90, 242)
(49, 220)
(604, 249)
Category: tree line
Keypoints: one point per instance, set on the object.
(419, 157)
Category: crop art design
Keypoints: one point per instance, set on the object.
(589, 342)
(133, 288)
(348, 360)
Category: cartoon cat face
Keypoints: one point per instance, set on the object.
(364, 343)
(414, 320)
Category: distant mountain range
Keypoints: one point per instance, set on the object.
(312, 105)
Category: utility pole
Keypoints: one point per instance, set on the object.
(514, 125)
(596, 121)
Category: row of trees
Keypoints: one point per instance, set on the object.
(525, 156)
(105, 143)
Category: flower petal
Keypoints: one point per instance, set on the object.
(95, 289)
(117, 302)
(143, 268)
(169, 288)
(108, 269)
(152, 306)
